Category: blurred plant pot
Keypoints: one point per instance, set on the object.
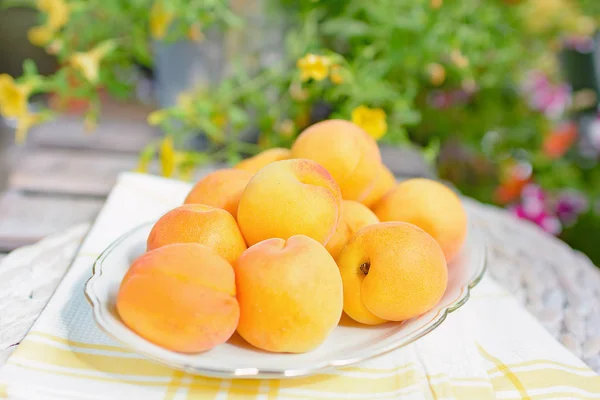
(184, 65)
(6, 142)
(15, 47)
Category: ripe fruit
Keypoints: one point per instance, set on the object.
(290, 294)
(220, 189)
(180, 297)
(384, 182)
(354, 216)
(392, 271)
(346, 151)
(431, 206)
(253, 164)
(290, 197)
(199, 223)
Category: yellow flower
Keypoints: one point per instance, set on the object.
(13, 97)
(437, 74)
(57, 10)
(313, 66)
(372, 120)
(160, 19)
(24, 123)
(336, 76)
(459, 59)
(40, 35)
(156, 117)
(88, 63)
(435, 4)
(167, 156)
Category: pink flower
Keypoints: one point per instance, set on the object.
(547, 222)
(534, 208)
(546, 97)
(569, 205)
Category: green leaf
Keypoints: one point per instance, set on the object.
(345, 28)
(237, 116)
(431, 152)
(29, 68)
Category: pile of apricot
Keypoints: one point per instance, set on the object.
(277, 247)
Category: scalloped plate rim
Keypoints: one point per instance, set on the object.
(255, 373)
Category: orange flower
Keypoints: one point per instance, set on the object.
(514, 178)
(437, 74)
(435, 4)
(510, 190)
(558, 142)
(195, 33)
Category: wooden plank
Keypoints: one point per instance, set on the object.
(69, 171)
(27, 218)
(115, 133)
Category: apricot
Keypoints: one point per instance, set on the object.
(392, 271)
(180, 297)
(253, 164)
(431, 206)
(354, 216)
(199, 223)
(346, 151)
(221, 189)
(290, 197)
(290, 294)
(384, 182)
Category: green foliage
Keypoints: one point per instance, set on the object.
(447, 75)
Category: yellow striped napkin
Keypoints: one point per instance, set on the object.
(489, 349)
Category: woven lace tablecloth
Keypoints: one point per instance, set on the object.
(559, 286)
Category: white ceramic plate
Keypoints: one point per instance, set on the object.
(348, 343)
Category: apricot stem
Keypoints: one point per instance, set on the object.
(364, 268)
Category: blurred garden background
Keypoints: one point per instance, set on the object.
(498, 97)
